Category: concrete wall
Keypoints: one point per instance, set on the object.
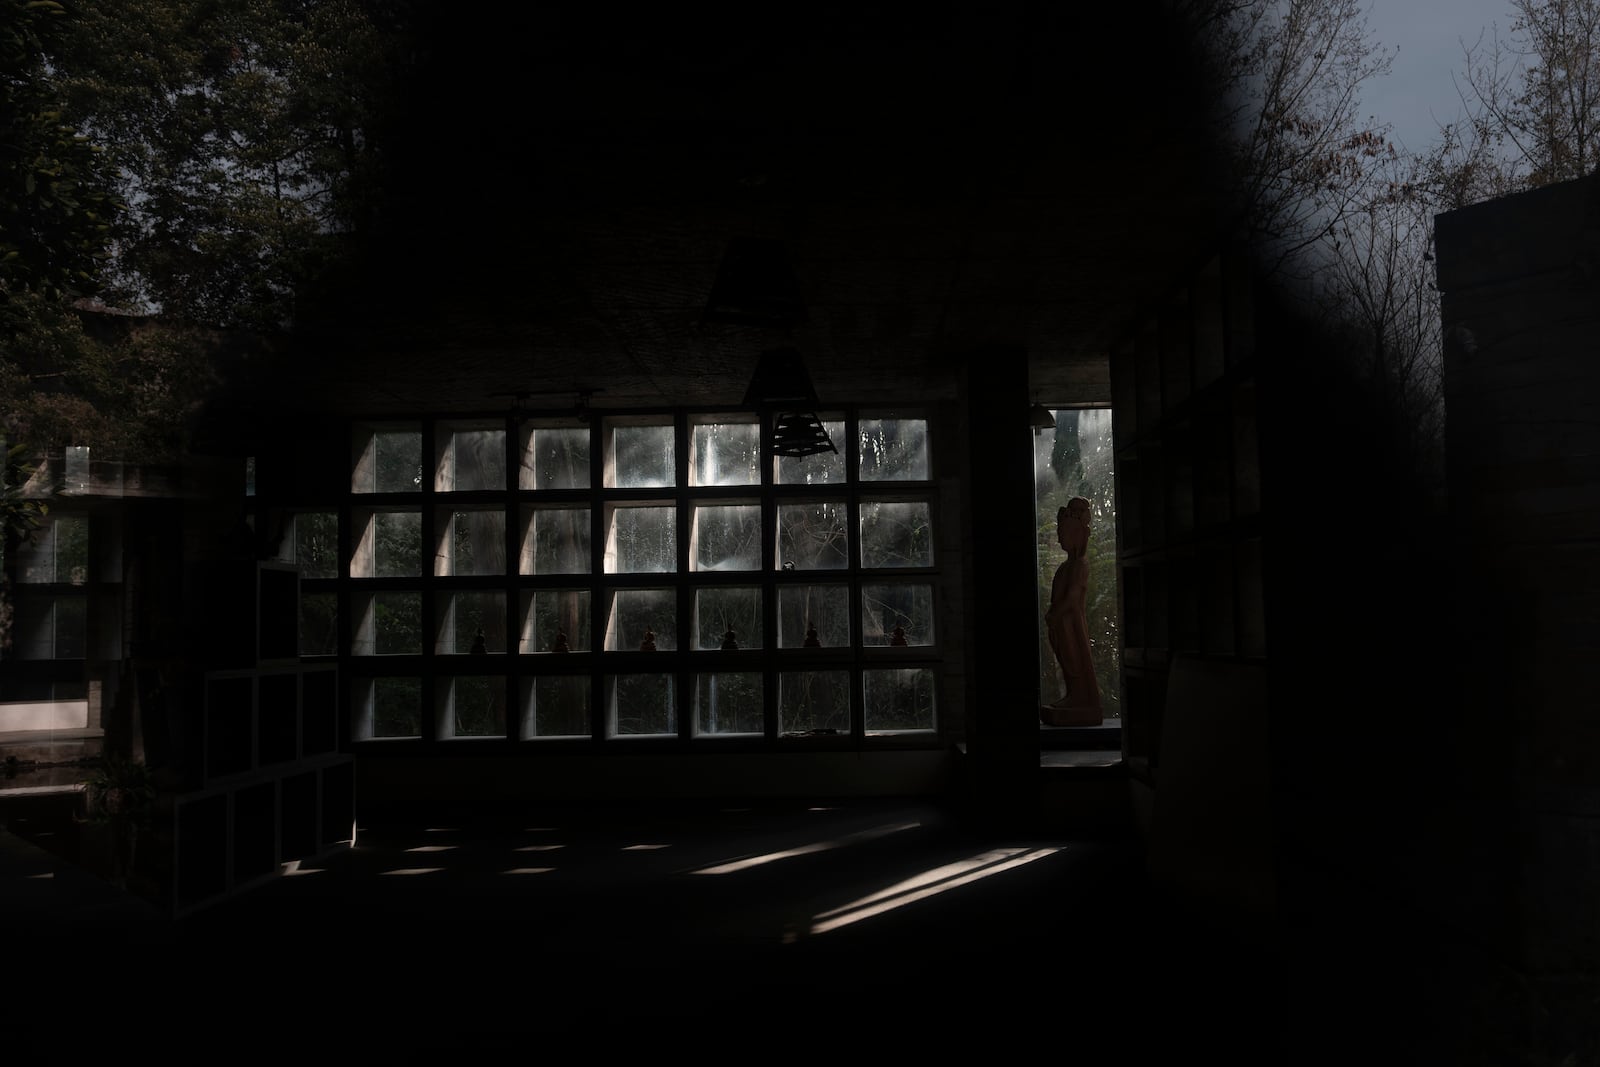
(1521, 295)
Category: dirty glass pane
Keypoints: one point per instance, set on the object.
(71, 627)
(824, 468)
(642, 539)
(549, 614)
(478, 707)
(727, 537)
(814, 701)
(316, 544)
(396, 707)
(903, 604)
(825, 607)
(894, 449)
(560, 706)
(391, 625)
(391, 546)
(555, 541)
(643, 704)
(555, 457)
(474, 459)
(388, 460)
(638, 615)
(474, 542)
(641, 456)
(729, 703)
(319, 634)
(896, 534)
(33, 629)
(464, 616)
(717, 610)
(813, 536)
(59, 552)
(899, 699)
(726, 453)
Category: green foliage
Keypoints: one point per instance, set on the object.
(245, 137)
(121, 791)
(57, 207)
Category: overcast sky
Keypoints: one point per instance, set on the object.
(1419, 94)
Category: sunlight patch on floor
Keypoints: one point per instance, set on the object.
(539, 848)
(528, 870)
(930, 883)
(806, 850)
(414, 870)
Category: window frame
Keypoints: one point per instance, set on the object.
(589, 657)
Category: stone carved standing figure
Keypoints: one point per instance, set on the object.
(1067, 624)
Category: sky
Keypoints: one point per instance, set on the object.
(1418, 93)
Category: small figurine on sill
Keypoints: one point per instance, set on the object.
(479, 646)
(649, 642)
(812, 641)
(899, 636)
(730, 640)
(561, 643)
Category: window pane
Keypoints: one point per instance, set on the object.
(555, 541)
(899, 700)
(896, 534)
(727, 537)
(466, 617)
(894, 450)
(477, 707)
(643, 704)
(729, 703)
(555, 457)
(823, 607)
(474, 458)
(814, 701)
(33, 634)
(319, 633)
(71, 549)
(388, 460)
(316, 544)
(396, 707)
(638, 615)
(726, 453)
(719, 610)
(390, 545)
(642, 539)
(641, 456)
(824, 468)
(551, 616)
(472, 542)
(558, 706)
(902, 605)
(71, 626)
(391, 625)
(813, 536)
(58, 552)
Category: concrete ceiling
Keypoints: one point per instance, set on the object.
(961, 178)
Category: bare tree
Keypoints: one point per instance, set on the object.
(1533, 101)
(1288, 74)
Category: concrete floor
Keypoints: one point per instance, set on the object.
(837, 927)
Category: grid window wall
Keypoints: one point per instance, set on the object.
(627, 579)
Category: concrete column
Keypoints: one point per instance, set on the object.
(1002, 601)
